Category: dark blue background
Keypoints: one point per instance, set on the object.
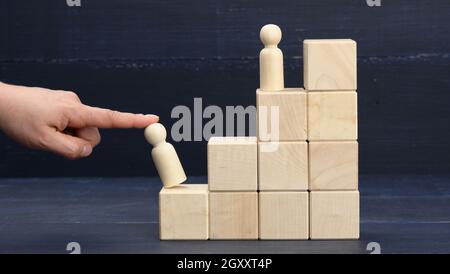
(149, 56)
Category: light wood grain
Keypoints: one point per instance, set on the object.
(333, 165)
(332, 116)
(334, 215)
(283, 215)
(232, 164)
(291, 103)
(233, 215)
(329, 64)
(183, 212)
(285, 168)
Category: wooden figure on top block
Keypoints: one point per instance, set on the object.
(164, 156)
(271, 59)
(281, 112)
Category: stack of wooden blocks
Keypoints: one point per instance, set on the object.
(305, 187)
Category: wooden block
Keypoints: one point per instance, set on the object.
(332, 116)
(329, 64)
(283, 215)
(334, 214)
(333, 165)
(183, 212)
(292, 113)
(232, 164)
(233, 215)
(285, 168)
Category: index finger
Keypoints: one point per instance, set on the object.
(107, 118)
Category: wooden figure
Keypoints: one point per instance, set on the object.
(164, 156)
(271, 73)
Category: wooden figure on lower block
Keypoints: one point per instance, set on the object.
(284, 215)
(233, 215)
(334, 215)
(164, 156)
(183, 212)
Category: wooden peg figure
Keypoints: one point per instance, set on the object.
(271, 75)
(164, 156)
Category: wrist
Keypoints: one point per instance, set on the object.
(5, 100)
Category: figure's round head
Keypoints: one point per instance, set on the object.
(270, 35)
(155, 134)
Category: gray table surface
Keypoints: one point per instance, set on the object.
(404, 214)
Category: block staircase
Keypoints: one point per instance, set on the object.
(301, 185)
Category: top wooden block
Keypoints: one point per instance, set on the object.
(329, 64)
(232, 164)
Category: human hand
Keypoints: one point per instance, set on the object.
(57, 121)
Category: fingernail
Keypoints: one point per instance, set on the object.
(87, 150)
(153, 116)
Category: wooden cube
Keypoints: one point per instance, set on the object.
(333, 165)
(183, 212)
(284, 168)
(332, 116)
(334, 215)
(291, 124)
(283, 215)
(232, 164)
(329, 64)
(233, 215)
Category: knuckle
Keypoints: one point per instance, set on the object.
(90, 116)
(113, 115)
(70, 109)
(68, 96)
(72, 95)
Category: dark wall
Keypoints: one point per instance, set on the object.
(149, 56)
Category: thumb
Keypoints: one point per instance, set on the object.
(69, 146)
